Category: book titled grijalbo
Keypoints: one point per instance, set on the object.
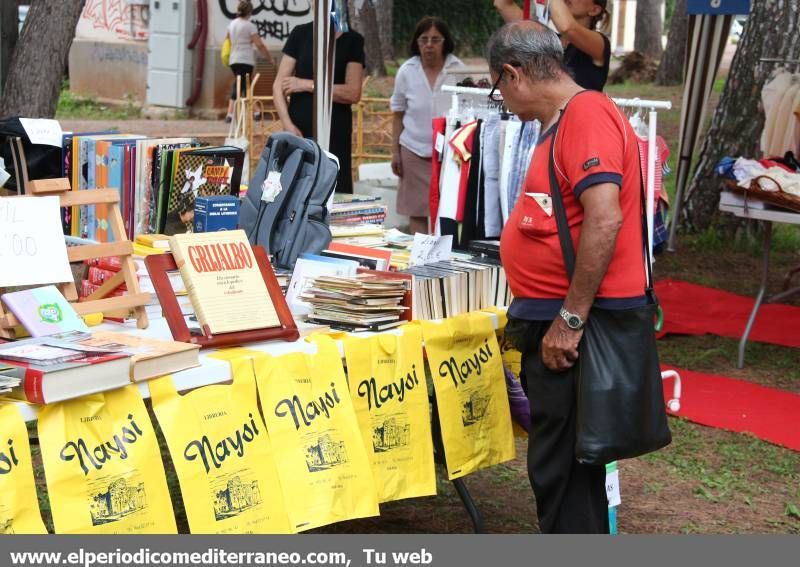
(223, 281)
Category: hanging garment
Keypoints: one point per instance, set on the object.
(778, 144)
(438, 141)
(771, 94)
(521, 159)
(509, 139)
(490, 152)
(462, 144)
(451, 175)
(472, 218)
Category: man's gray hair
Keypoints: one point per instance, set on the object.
(530, 45)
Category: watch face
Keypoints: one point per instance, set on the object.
(574, 322)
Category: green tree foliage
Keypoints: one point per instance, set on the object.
(471, 27)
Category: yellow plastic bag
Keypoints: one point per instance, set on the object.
(222, 455)
(471, 396)
(225, 52)
(19, 509)
(387, 383)
(103, 466)
(512, 358)
(323, 466)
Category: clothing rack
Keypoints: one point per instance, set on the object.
(652, 122)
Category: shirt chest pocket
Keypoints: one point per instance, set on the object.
(536, 215)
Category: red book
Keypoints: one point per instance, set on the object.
(111, 263)
(79, 372)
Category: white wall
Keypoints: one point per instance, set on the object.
(274, 19)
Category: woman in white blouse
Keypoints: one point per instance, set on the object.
(417, 84)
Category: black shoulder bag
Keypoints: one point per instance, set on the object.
(621, 412)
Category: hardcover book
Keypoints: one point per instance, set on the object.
(52, 370)
(224, 281)
(199, 172)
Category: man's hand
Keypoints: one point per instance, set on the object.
(292, 129)
(560, 346)
(294, 85)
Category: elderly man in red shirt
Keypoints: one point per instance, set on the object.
(598, 176)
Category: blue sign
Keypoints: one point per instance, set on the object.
(718, 7)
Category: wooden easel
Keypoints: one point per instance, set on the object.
(130, 305)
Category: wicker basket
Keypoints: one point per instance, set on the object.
(775, 198)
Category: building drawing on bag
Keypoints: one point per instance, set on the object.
(390, 434)
(474, 408)
(325, 454)
(6, 527)
(237, 497)
(117, 501)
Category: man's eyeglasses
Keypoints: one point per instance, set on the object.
(423, 40)
(495, 95)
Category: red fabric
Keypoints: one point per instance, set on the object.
(526, 10)
(691, 309)
(737, 405)
(772, 163)
(596, 144)
(439, 127)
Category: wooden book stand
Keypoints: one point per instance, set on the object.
(130, 305)
(159, 265)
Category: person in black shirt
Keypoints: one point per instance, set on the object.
(587, 52)
(295, 80)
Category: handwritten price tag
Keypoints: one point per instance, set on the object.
(612, 488)
(32, 248)
(42, 131)
(428, 249)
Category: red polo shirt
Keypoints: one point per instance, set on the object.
(594, 144)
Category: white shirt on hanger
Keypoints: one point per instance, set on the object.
(414, 96)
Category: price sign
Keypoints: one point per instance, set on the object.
(32, 247)
(612, 488)
(42, 131)
(428, 249)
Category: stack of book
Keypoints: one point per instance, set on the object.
(8, 379)
(452, 287)
(352, 210)
(52, 370)
(72, 364)
(361, 303)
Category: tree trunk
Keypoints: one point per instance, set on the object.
(37, 66)
(770, 31)
(367, 24)
(8, 36)
(648, 28)
(670, 70)
(384, 14)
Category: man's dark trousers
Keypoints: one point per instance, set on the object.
(570, 496)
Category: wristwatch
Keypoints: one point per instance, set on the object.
(573, 320)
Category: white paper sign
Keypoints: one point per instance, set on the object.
(428, 249)
(42, 131)
(32, 247)
(612, 489)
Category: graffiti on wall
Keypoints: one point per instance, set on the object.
(273, 18)
(117, 17)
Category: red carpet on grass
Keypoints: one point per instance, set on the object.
(737, 405)
(691, 309)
